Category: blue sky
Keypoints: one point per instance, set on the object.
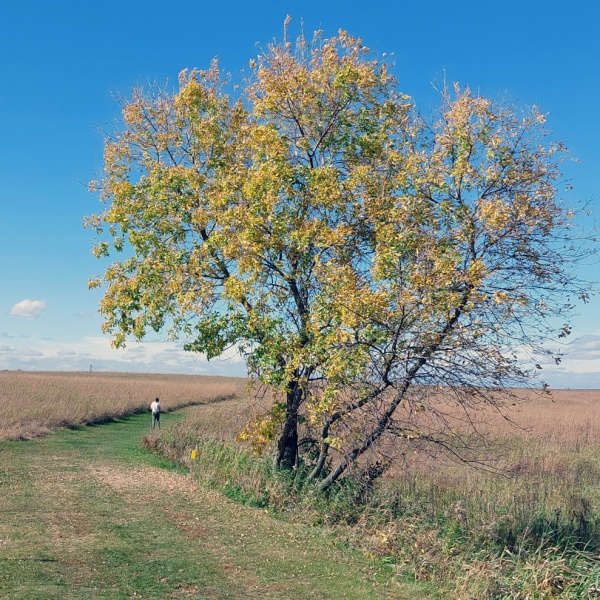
(61, 61)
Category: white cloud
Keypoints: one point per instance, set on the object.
(28, 308)
(96, 353)
(580, 367)
(572, 378)
(586, 347)
(31, 353)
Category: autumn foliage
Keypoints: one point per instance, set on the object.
(372, 264)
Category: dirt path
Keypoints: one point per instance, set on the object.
(86, 514)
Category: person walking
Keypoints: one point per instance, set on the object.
(155, 408)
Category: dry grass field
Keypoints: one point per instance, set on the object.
(525, 525)
(530, 436)
(539, 434)
(33, 404)
(565, 417)
(544, 459)
(529, 529)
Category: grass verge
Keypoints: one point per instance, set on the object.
(532, 533)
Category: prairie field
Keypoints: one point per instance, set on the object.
(525, 524)
(34, 404)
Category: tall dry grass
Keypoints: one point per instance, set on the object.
(543, 435)
(33, 404)
(528, 527)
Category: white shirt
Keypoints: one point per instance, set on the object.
(155, 407)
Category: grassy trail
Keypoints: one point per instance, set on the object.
(87, 514)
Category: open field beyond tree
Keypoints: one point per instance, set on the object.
(36, 403)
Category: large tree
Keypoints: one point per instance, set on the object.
(365, 260)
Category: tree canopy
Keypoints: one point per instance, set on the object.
(370, 263)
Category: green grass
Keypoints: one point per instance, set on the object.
(87, 514)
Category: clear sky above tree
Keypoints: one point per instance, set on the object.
(61, 62)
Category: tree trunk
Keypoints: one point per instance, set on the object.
(287, 445)
(318, 468)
